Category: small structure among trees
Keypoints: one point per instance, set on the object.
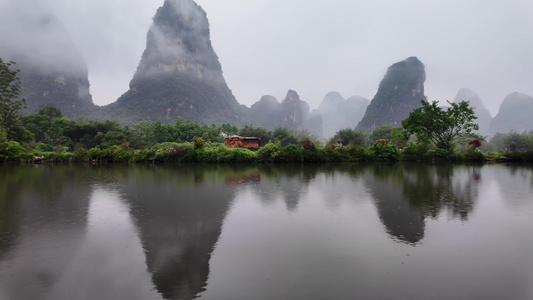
(235, 141)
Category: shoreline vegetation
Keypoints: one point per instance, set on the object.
(48, 137)
(128, 146)
(186, 153)
(430, 133)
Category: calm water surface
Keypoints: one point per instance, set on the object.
(402, 231)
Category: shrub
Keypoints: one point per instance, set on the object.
(289, 154)
(117, 153)
(384, 150)
(415, 151)
(11, 150)
(269, 152)
(243, 155)
(198, 142)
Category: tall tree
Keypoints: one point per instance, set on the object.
(10, 103)
(351, 136)
(432, 123)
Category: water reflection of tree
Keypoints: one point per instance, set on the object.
(11, 186)
(406, 194)
(434, 188)
(43, 215)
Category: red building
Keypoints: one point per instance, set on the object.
(234, 141)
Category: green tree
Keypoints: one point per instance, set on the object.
(40, 123)
(432, 123)
(10, 103)
(285, 136)
(515, 141)
(350, 136)
(384, 150)
(383, 132)
(114, 138)
(228, 129)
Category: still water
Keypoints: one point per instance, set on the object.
(343, 231)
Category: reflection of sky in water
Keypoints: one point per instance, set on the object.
(285, 235)
(105, 261)
(111, 255)
(333, 244)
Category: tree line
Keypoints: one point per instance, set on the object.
(430, 132)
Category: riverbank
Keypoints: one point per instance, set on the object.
(270, 153)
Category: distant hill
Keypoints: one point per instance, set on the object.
(265, 113)
(338, 113)
(179, 73)
(482, 113)
(52, 69)
(291, 113)
(398, 94)
(515, 114)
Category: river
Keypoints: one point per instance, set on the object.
(324, 231)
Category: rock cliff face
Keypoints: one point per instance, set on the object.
(296, 115)
(338, 113)
(398, 94)
(482, 113)
(52, 69)
(294, 111)
(515, 114)
(179, 73)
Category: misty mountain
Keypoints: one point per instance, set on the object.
(265, 113)
(52, 69)
(399, 93)
(296, 115)
(482, 113)
(179, 73)
(294, 111)
(515, 114)
(338, 113)
(291, 113)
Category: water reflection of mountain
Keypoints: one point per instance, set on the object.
(179, 213)
(286, 182)
(518, 177)
(406, 194)
(43, 217)
(403, 220)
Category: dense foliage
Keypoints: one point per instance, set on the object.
(57, 139)
(10, 103)
(431, 123)
(47, 135)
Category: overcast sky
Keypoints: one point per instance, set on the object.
(314, 47)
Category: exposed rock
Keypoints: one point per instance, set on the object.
(294, 111)
(482, 113)
(398, 94)
(179, 73)
(515, 114)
